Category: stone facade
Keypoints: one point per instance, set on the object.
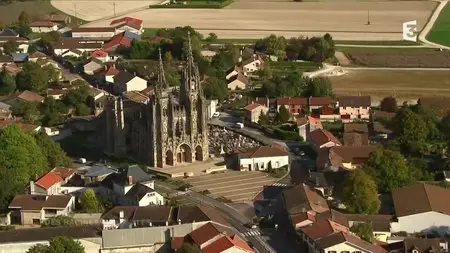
(169, 130)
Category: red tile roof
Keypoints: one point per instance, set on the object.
(64, 172)
(292, 101)
(323, 228)
(48, 180)
(317, 101)
(112, 71)
(128, 20)
(263, 151)
(225, 243)
(99, 53)
(321, 136)
(30, 96)
(315, 122)
(117, 40)
(252, 107)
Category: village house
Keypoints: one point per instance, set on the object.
(419, 245)
(60, 19)
(254, 110)
(95, 173)
(328, 183)
(306, 125)
(317, 104)
(51, 182)
(26, 96)
(262, 158)
(125, 81)
(343, 157)
(234, 72)
(213, 238)
(354, 107)
(136, 96)
(252, 64)
(130, 24)
(381, 224)
(356, 134)
(93, 32)
(70, 44)
(295, 105)
(43, 26)
(22, 43)
(5, 60)
(34, 209)
(321, 138)
(428, 212)
(36, 56)
(117, 41)
(93, 66)
(141, 195)
(239, 81)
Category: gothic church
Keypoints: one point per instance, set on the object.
(167, 130)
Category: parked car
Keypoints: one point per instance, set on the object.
(239, 125)
(216, 115)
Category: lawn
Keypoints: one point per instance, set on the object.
(441, 28)
(405, 85)
(35, 9)
(149, 32)
(285, 67)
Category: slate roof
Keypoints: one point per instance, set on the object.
(123, 77)
(354, 101)
(154, 214)
(7, 32)
(427, 198)
(99, 170)
(138, 191)
(262, 151)
(45, 234)
(37, 202)
(114, 213)
(19, 57)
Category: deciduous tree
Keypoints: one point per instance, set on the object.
(283, 115)
(388, 104)
(56, 157)
(363, 230)
(7, 82)
(24, 18)
(411, 129)
(360, 193)
(60, 244)
(10, 47)
(90, 203)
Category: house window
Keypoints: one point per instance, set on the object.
(50, 211)
(36, 221)
(345, 251)
(357, 251)
(331, 251)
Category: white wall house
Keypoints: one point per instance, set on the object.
(125, 81)
(356, 107)
(427, 211)
(259, 158)
(253, 64)
(43, 26)
(93, 32)
(151, 198)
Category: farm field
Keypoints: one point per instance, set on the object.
(441, 28)
(9, 13)
(251, 19)
(405, 85)
(403, 59)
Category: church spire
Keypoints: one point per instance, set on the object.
(161, 82)
(190, 57)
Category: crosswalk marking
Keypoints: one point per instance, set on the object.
(279, 184)
(252, 233)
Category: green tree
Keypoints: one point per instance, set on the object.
(32, 77)
(90, 203)
(212, 37)
(360, 193)
(76, 96)
(29, 111)
(7, 82)
(215, 88)
(283, 115)
(10, 47)
(59, 221)
(54, 111)
(82, 110)
(167, 57)
(21, 159)
(272, 45)
(318, 87)
(56, 157)
(188, 248)
(411, 129)
(60, 244)
(388, 104)
(363, 230)
(389, 169)
(24, 18)
(32, 48)
(263, 119)
(141, 49)
(23, 30)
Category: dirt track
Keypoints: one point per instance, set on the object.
(346, 20)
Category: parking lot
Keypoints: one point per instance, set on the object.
(233, 185)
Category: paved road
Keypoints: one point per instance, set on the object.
(233, 216)
(423, 34)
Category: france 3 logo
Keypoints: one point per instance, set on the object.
(410, 31)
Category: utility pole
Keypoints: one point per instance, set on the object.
(114, 5)
(75, 7)
(368, 17)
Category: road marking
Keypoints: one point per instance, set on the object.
(252, 233)
(279, 184)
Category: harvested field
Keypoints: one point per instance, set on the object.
(10, 12)
(345, 21)
(413, 59)
(405, 85)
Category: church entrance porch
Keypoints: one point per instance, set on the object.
(169, 158)
(198, 153)
(185, 154)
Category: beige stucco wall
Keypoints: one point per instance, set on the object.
(236, 84)
(28, 216)
(363, 111)
(341, 247)
(263, 162)
(136, 84)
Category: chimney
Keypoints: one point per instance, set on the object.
(130, 180)
(32, 187)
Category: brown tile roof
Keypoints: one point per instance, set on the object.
(147, 91)
(251, 107)
(356, 128)
(321, 136)
(37, 54)
(380, 223)
(334, 216)
(176, 242)
(356, 139)
(297, 218)
(422, 245)
(252, 59)
(64, 172)
(136, 96)
(30, 96)
(427, 198)
(240, 77)
(224, 243)
(207, 232)
(262, 151)
(114, 213)
(301, 121)
(320, 101)
(189, 214)
(42, 23)
(383, 115)
(45, 234)
(292, 101)
(323, 228)
(153, 214)
(337, 155)
(93, 29)
(354, 101)
(380, 128)
(37, 202)
(301, 198)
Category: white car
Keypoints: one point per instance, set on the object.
(216, 115)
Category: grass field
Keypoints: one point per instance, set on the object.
(383, 49)
(440, 33)
(405, 85)
(35, 9)
(376, 42)
(289, 67)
